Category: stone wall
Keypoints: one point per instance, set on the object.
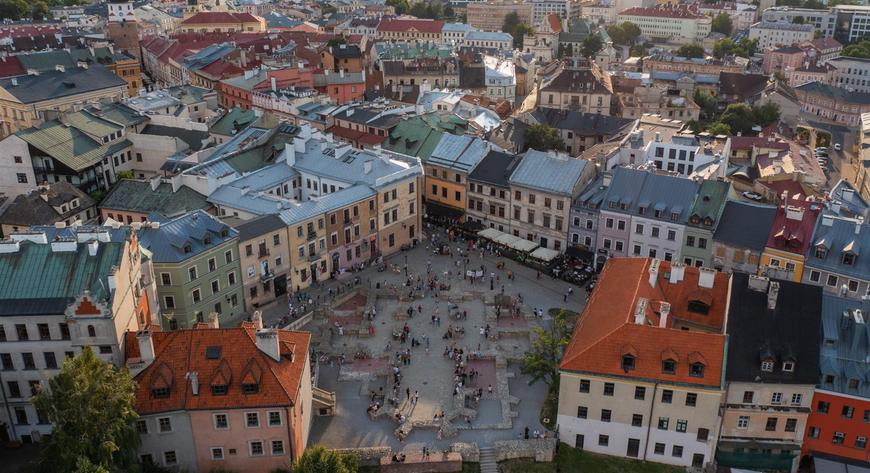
(469, 451)
(542, 450)
(367, 455)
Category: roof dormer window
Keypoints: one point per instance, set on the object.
(628, 363)
(696, 370)
(252, 388)
(669, 366)
(821, 252)
(206, 240)
(160, 393)
(767, 365)
(219, 389)
(187, 248)
(849, 258)
(788, 366)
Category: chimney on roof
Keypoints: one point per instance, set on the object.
(267, 342)
(146, 346)
(654, 271)
(214, 320)
(93, 246)
(663, 314)
(678, 270)
(794, 212)
(257, 318)
(194, 382)
(858, 224)
(706, 277)
(758, 283)
(772, 294)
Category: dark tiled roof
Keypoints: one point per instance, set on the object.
(259, 226)
(788, 332)
(581, 123)
(745, 225)
(137, 196)
(495, 168)
(742, 85)
(576, 82)
(193, 138)
(835, 93)
(32, 209)
(55, 84)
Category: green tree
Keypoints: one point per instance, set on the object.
(739, 117)
(543, 137)
(448, 11)
(328, 9)
(521, 31)
(591, 45)
(39, 10)
(418, 9)
(401, 6)
(690, 50)
(707, 104)
(743, 48)
(766, 113)
(318, 459)
(336, 41)
(625, 33)
(13, 9)
(719, 128)
(722, 24)
(859, 50)
(90, 404)
(510, 23)
(541, 362)
(798, 20)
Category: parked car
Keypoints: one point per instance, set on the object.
(752, 196)
(838, 147)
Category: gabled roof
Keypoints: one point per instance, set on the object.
(413, 138)
(845, 346)
(138, 196)
(626, 309)
(69, 145)
(36, 280)
(576, 81)
(235, 359)
(548, 172)
(638, 189)
(37, 207)
(742, 85)
(459, 152)
(709, 204)
(834, 93)
(846, 201)
(56, 84)
(233, 121)
(215, 17)
(259, 226)
(788, 332)
(198, 230)
(495, 168)
(794, 235)
(406, 25)
(580, 123)
(299, 212)
(745, 225)
(839, 236)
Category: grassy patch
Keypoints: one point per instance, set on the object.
(571, 460)
(470, 467)
(568, 314)
(550, 408)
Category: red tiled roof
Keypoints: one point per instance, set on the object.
(822, 44)
(555, 23)
(794, 235)
(423, 26)
(665, 11)
(747, 142)
(221, 69)
(608, 324)
(10, 66)
(183, 351)
(215, 17)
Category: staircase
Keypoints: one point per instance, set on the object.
(487, 461)
(323, 400)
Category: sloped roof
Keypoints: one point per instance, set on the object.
(625, 308)
(167, 242)
(495, 168)
(834, 93)
(69, 145)
(413, 138)
(33, 208)
(845, 347)
(214, 17)
(401, 25)
(180, 352)
(548, 172)
(138, 196)
(234, 120)
(745, 225)
(56, 84)
(459, 152)
(839, 236)
(318, 206)
(638, 188)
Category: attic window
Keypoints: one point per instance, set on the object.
(767, 365)
(699, 307)
(695, 219)
(669, 366)
(219, 389)
(849, 259)
(821, 252)
(658, 213)
(187, 248)
(788, 366)
(627, 363)
(675, 216)
(708, 222)
(250, 388)
(225, 233)
(160, 393)
(696, 370)
(641, 210)
(213, 353)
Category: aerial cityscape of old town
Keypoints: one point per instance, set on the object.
(432, 236)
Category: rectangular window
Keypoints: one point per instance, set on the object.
(659, 449)
(663, 423)
(605, 415)
(608, 389)
(252, 419)
(639, 393)
(743, 422)
(274, 418)
(790, 425)
(277, 447)
(691, 399)
(256, 448)
(770, 426)
(217, 453)
(677, 451)
(603, 440)
(636, 420)
(582, 412)
(164, 424)
(170, 458)
(682, 425)
(584, 385)
(667, 396)
(221, 421)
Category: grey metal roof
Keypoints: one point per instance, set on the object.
(349, 165)
(548, 172)
(55, 84)
(138, 196)
(635, 189)
(845, 347)
(459, 152)
(494, 169)
(167, 242)
(259, 226)
(312, 208)
(745, 225)
(839, 236)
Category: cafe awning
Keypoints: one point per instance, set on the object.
(544, 254)
(489, 233)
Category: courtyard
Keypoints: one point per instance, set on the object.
(455, 343)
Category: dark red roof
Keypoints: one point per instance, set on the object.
(212, 17)
(10, 66)
(423, 26)
(221, 69)
(792, 229)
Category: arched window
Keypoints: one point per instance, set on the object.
(92, 332)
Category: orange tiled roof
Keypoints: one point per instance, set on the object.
(607, 328)
(423, 26)
(179, 352)
(555, 23)
(218, 17)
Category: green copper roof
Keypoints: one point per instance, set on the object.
(710, 201)
(413, 138)
(242, 119)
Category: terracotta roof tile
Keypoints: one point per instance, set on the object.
(180, 352)
(607, 328)
(423, 26)
(214, 17)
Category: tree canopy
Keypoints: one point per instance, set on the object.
(690, 50)
(541, 362)
(317, 459)
(722, 24)
(743, 48)
(543, 137)
(625, 33)
(719, 128)
(401, 6)
(516, 29)
(741, 118)
(591, 45)
(860, 49)
(90, 404)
